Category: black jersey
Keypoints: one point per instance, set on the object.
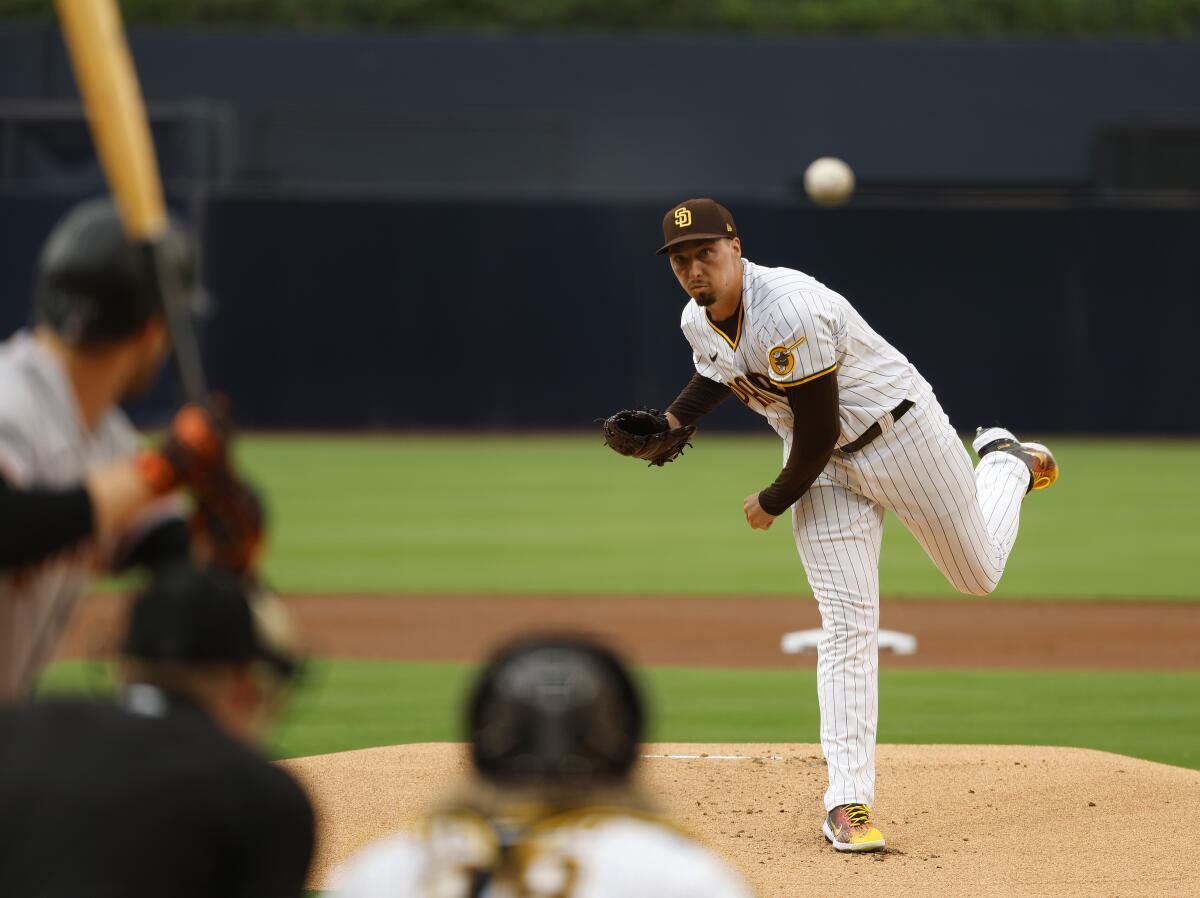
(101, 800)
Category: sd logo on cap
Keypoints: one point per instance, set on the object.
(696, 219)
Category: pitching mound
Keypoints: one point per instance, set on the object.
(959, 819)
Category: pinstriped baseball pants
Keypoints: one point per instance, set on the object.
(966, 520)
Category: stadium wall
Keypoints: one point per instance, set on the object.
(395, 313)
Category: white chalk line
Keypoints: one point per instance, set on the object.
(712, 757)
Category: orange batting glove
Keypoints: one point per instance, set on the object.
(194, 451)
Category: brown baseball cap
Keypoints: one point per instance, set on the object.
(697, 219)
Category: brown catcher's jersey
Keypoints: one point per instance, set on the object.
(791, 329)
(590, 852)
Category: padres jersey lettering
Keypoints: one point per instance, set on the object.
(754, 389)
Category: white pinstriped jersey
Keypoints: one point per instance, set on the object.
(587, 853)
(43, 444)
(791, 329)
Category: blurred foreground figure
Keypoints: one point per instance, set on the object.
(555, 726)
(77, 497)
(161, 794)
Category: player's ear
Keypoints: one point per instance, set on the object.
(736, 245)
(153, 334)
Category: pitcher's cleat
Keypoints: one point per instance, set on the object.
(848, 828)
(1043, 469)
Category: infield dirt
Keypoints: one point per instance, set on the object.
(960, 820)
(724, 632)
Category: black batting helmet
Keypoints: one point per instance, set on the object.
(555, 710)
(94, 285)
(190, 615)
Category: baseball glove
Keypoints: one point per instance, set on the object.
(646, 434)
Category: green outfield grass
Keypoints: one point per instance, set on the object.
(356, 704)
(560, 514)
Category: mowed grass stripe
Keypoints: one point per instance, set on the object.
(561, 514)
(357, 704)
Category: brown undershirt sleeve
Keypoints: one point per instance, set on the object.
(698, 398)
(814, 437)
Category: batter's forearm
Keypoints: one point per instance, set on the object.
(119, 491)
(697, 399)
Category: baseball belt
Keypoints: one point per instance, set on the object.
(875, 429)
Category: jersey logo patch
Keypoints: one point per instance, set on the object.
(781, 358)
(683, 217)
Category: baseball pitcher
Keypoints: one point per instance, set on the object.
(862, 432)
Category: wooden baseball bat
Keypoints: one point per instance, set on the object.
(116, 113)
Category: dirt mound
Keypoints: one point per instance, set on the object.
(959, 819)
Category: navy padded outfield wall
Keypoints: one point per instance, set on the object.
(388, 313)
(438, 230)
(598, 115)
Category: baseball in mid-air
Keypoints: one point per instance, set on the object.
(829, 181)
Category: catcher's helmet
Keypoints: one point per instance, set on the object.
(93, 285)
(555, 711)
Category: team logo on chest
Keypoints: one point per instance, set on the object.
(781, 359)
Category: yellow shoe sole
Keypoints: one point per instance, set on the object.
(867, 845)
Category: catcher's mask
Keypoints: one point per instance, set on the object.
(555, 711)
